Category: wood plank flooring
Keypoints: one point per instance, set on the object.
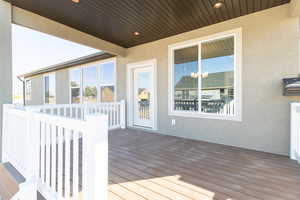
(148, 166)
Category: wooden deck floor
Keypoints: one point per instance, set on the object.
(157, 167)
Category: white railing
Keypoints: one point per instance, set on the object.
(295, 131)
(228, 108)
(59, 156)
(115, 111)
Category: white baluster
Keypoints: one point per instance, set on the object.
(122, 115)
(115, 114)
(43, 126)
(53, 158)
(75, 165)
(109, 115)
(60, 162)
(65, 111)
(75, 112)
(47, 167)
(67, 163)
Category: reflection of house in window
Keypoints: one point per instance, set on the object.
(143, 94)
(215, 86)
(107, 94)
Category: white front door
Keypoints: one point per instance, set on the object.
(143, 96)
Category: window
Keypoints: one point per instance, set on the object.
(75, 86)
(28, 90)
(90, 84)
(49, 89)
(107, 81)
(93, 83)
(186, 79)
(205, 77)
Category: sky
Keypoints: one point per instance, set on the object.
(34, 50)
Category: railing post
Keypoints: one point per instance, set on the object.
(295, 132)
(32, 153)
(95, 157)
(123, 115)
(4, 132)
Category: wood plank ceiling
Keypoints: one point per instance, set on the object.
(116, 20)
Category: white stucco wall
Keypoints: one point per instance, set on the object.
(270, 53)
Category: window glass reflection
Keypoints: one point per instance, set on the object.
(217, 78)
(90, 84)
(186, 79)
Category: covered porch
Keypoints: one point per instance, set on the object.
(144, 165)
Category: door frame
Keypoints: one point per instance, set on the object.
(130, 103)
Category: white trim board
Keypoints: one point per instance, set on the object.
(237, 33)
(130, 67)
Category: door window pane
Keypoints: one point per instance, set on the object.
(107, 93)
(186, 79)
(107, 73)
(90, 85)
(143, 95)
(217, 83)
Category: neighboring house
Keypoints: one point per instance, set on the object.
(88, 79)
(240, 68)
(217, 88)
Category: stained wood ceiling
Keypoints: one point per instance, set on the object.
(116, 20)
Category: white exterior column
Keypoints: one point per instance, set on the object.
(5, 60)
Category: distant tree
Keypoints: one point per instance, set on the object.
(74, 84)
(90, 92)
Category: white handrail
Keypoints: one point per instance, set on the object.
(36, 143)
(114, 110)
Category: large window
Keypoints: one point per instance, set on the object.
(205, 77)
(49, 89)
(93, 83)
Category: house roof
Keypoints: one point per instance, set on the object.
(67, 64)
(116, 20)
(213, 80)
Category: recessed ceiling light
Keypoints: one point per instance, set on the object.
(218, 5)
(136, 33)
(75, 1)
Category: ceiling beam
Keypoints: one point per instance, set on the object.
(294, 8)
(36, 22)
